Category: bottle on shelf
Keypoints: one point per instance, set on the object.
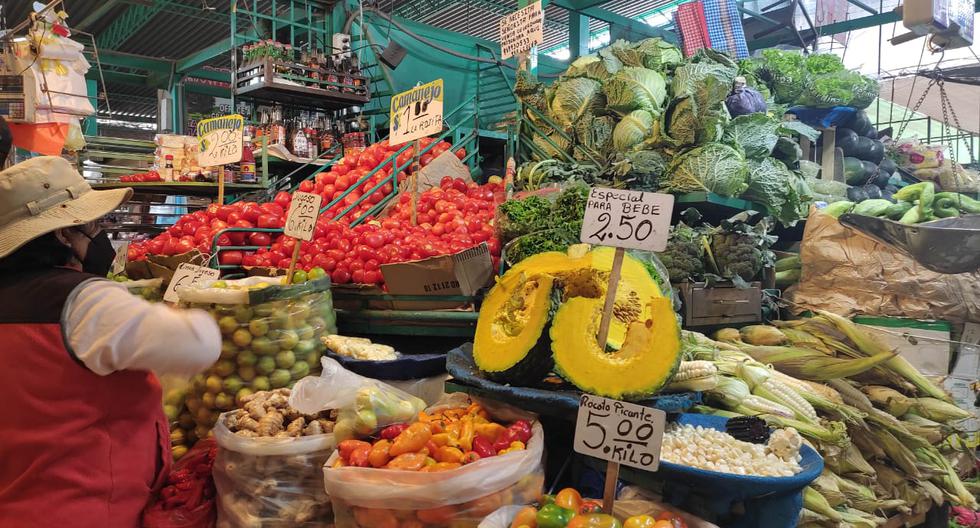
(247, 173)
(167, 172)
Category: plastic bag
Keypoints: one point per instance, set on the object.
(149, 289)
(429, 390)
(265, 482)
(270, 339)
(463, 497)
(187, 501)
(365, 404)
(745, 100)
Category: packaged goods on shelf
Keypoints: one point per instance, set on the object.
(270, 339)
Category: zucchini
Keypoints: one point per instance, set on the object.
(873, 207)
(788, 263)
(962, 202)
(897, 210)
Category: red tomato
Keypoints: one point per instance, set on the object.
(357, 276)
(183, 246)
(306, 186)
(372, 277)
(342, 183)
(250, 260)
(374, 240)
(230, 258)
(340, 276)
(270, 221)
(251, 212)
(283, 198)
(223, 212)
(272, 208)
(259, 239)
(461, 153)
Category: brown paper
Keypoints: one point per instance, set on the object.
(849, 273)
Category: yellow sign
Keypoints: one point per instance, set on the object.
(416, 113)
(220, 140)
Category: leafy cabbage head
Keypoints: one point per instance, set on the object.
(756, 134)
(784, 193)
(653, 53)
(632, 130)
(575, 98)
(714, 167)
(634, 88)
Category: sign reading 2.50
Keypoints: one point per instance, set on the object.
(627, 219)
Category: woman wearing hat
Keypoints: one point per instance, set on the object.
(83, 437)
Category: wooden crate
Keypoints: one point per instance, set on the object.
(721, 304)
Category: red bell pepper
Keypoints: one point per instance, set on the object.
(483, 447)
(523, 429)
(504, 440)
(390, 432)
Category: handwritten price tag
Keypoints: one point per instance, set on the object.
(220, 140)
(620, 432)
(188, 275)
(521, 30)
(627, 219)
(416, 113)
(301, 218)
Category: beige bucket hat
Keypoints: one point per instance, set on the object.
(46, 193)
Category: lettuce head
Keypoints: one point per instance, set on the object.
(714, 167)
(634, 88)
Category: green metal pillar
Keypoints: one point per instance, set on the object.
(578, 34)
(90, 127)
(177, 94)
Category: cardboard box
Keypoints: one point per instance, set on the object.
(925, 344)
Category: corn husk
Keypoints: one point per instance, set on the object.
(938, 410)
(700, 384)
(933, 432)
(871, 347)
(827, 487)
(803, 339)
(810, 518)
(859, 519)
(814, 501)
(727, 335)
(948, 480)
(851, 395)
(762, 335)
(808, 364)
(892, 401)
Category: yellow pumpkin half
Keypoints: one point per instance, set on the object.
(648, 357)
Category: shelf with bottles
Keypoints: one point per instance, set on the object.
(302, 136)
(275, 72)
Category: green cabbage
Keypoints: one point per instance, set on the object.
(756, 134)
(652, 53)
(682, 122)
(714, 167)
(596, 135)
(632, 130)
(575, 98)
(635, 88)
(783, 193)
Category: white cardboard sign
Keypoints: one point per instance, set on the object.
(188, 275)
(301, 217)
(620, 432)
(416, 113)
(521, 30)
(220, 140)
(627, 219)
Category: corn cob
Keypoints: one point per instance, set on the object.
(814, 501)
(933, 432)
(810, 364)
(897, 452)
(827, 486)
(728, 335)
(696, 376)
(937, 410)
(892, 401)
(803, 339)
(734, 395)
(762, 335)
(948, 479)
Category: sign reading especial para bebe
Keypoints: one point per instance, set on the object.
(627, 219)
(416, 113)
(220, 140)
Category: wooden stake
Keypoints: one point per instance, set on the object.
(617, 268)
(292, 262)
(609, 492)
(415, 182)
(221, 185)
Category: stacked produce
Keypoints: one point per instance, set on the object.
(817, 80)
(737, 249)
(884, 430)
(541, 222)
(632, 107)
(359, 348)
(543, 315)
(714, 450)
(271, 337)
(568, 509)
(913, 204)
(187, 497)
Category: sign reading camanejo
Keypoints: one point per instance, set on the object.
(627, 219)
(416, 113)
(521, 30)
(220, 140)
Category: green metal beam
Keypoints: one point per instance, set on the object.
(578, 34)
(418, 9)
(585, 4)
(124, 26)
(192, 61)
(137, 62)
(626, 23)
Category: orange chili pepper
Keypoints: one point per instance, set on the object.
(440, 515)
(339, 463)
(480, 419)
(408, 462)
(411, 439)
(453, 429)
(375, 518)
(347, 446)
(437, 426)
(490, 431)
(466, 434)
(442, 439)
(448, 454)
(379, 455)
(469, 457)
(425, 418)
(474, 408)
(440, 466)
(359, 456)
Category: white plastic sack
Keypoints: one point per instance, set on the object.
(266, 482)
(365, 404)
(502, 517)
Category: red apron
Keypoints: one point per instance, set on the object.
(76, 449)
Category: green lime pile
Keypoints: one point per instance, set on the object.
(264, 346)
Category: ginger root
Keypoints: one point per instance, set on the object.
(270, 424)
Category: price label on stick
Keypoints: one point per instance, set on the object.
(220, 140)
(188, 275)
(627, 219)
(301, 218)
(521, 30)
(416, 113)
(619, 432)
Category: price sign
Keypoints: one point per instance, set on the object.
(188, 275)
(301, 218)
(627, 219)
(220, 140)
(416, 113)
(521, 30)
(619, 432)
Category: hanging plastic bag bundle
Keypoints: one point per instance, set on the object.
(415, 489)
(267, 467)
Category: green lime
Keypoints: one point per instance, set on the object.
(299, 277)
(316, 274)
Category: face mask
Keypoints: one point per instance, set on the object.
(99, 257)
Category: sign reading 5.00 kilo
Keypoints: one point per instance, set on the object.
(521, 30)
(301, 218)
(620, 432)
(416, 113)
(220, 140)
(627, 219)
(188, 275)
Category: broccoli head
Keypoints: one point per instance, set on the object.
(683, 256)
(737, 254)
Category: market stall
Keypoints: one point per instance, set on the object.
(664, 284)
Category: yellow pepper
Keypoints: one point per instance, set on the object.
(444, 439)
(454, 429)
(490, 431)
(466, 434)
(514, 446)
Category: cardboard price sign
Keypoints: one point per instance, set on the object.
(627, 219)
(619, 432)
(416, 113)
(521, 30)
(220, 140)
(188, 275)
(301, 217)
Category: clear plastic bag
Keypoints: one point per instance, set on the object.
(271, 482)
(365, 404)
(149, 289)
(429, 390)
(463, 497)
(271, 337)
